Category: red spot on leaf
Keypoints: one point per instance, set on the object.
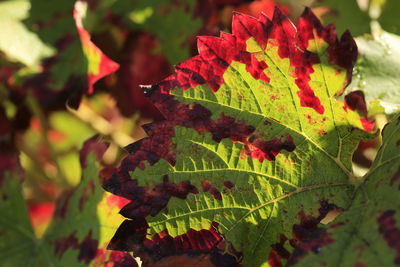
(268, 150)
(116, 201)
(390, 232)
(207, 187)
(87, 192)
(87, 248)
(356, 101)
(367, 125)
(307, 237)
(228, 184)
(92, 145)
(40, 213)
(106, 258)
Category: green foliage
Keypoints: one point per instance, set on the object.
(367, 233)
(80, 227)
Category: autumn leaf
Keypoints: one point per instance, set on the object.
(79, 231)
(99, 65)
(254, 142)
(368, 233)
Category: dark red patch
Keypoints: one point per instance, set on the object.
(356, 101)
(228, 184)
(92, 145)
(390, 232)
(87, 248)
(87, 192)
(146, 201)
(268, 150)
(131, 236)
(278, 253)
(207, 187)
(307, 237)
(63, 203)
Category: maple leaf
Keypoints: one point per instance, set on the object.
(254, 142)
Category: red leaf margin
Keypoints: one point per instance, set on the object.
(215, 55)
(106, 65)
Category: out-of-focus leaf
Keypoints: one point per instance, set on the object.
(346, 15)
(79, 231)
(377, 71)
(254, 143)
(368, 234)
(99, 65)
(389, 18)
(16, 41)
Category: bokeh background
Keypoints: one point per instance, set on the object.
(48, 108)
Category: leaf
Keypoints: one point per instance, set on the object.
(368, 233)
(75, 64)
(99, 65)
(16, 41)
(346, 15)
(81, 226)
(253, 137)
(376, 71)
(389, 16)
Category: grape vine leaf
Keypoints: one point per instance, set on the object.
(79, 232)
(368, 234)
(347, 15)
(254, 141)
(376, 71)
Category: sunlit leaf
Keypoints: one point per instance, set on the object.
(254, 142)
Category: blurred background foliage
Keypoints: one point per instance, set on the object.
(47, 110)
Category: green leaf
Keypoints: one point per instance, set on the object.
(254, 138)
(346, 14)
(377, 71)
(368, 233)
(389, 18)
(80, 229)
(17, 240)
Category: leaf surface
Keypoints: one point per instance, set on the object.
(346, 15)
(254, 142)
(376, 71)
(80, 230)
(368, 233)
